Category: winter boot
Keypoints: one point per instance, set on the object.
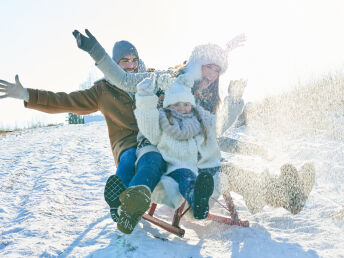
(246, 183)
(289, 190)
(307, 177)
(203, 189)
(135, 202)
(113, 189)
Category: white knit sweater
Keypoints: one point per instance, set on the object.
(192, 153)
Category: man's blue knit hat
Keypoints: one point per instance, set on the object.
(123, 48)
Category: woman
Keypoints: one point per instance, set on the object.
(290, 190)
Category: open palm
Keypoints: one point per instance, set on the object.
(12, 90)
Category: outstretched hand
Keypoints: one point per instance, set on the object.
(85, 43)
(237, 41)
(146, 87)
(236, 88)
(12, 90)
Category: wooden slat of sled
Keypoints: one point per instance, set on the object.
(174, 227)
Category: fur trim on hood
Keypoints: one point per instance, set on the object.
(206, 54)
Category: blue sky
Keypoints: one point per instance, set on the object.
(288, 41)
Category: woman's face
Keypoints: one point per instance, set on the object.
(210, 73)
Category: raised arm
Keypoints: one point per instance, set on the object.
(237, 41)
(233, 106)
(79, 102)
(146, 112)
(114, 73)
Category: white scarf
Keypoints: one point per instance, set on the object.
(185, 126)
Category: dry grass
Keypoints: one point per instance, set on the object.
(338, 215)
(19, 131)
(3, 132)
(314, 107)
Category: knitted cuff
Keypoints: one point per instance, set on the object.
(146, 103)
(26, 95)
(97, 52)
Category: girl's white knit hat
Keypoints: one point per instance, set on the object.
(180, 91)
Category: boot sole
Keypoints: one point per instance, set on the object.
(113, 189)
(204, 188)
(307, 177)
(296, 198)
(135, 202)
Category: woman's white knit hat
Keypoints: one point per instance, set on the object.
(180, 91)
(206, 54)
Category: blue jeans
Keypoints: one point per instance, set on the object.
(212, 170)
(150, 167)
(186, 180)
(126, 165)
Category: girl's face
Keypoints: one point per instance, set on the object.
(182, 107)
(210, 73)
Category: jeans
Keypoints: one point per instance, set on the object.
(186, 180)
(212, 170)
(150, 167)
(126, 165)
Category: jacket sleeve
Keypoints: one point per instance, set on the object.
(78, 102)
(209, 119)
(147, 116)
(229, 114)
(128, 81)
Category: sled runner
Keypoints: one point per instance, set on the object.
(179, 213)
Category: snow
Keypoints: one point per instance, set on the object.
(52, 204)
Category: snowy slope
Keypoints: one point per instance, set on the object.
(51, 188)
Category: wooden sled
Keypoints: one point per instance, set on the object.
(179, 213)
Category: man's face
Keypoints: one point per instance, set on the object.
(129, 63)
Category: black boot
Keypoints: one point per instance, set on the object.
(204, 188)
(113, 189)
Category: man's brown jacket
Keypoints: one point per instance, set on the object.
(115, 104)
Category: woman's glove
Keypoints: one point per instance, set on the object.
(146, 87)
(89, 44)
(13, 90)
(236, 89)
(237, 41)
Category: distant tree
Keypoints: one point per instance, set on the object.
(75, 119)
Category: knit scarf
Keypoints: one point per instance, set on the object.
(185, 126)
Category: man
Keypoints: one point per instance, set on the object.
(117, 107)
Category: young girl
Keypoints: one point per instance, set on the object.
(185, 137)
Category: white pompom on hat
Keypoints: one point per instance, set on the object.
(206, 54)
(180, 91)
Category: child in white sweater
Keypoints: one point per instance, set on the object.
(185, 136)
